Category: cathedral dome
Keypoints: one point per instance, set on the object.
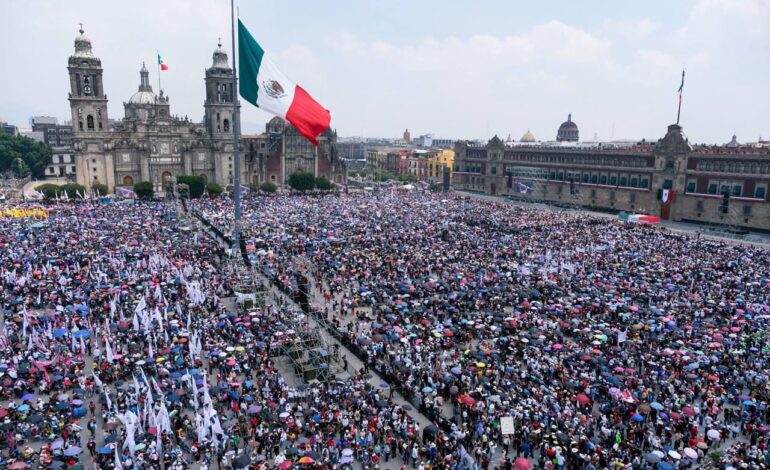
(568, 131)
(143, 97)
(528, 137)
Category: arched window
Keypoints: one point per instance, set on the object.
(80, 125)
(128, 181)
(90, 122)
(227, 125)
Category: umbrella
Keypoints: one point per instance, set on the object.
(104, 450)
(656, 406)
(522, 464)
(81, 334)
(28, 396)
(714, 434)
(306, 460)
(665, 466)
(674, 454)
(690, 453)
(242, 461)
(72, 451)
(18, 465)
(582, 399)
(652, 458)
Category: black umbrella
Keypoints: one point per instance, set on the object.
(242, 461)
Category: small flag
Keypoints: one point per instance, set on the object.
(162, 64)
(681, 87)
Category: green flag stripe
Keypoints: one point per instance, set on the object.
(249, 60)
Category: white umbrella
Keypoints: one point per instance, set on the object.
(674, 454)
(690, 453)
(659, 453)
(714, 434)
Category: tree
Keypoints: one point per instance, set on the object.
(196, 183)
(34, 156)
(100, 189)
(73, 190)
(302, 180)
(49, 190)
(144, 190)
(214, 189)
(268, 187)
(406, 178)
(323, 184)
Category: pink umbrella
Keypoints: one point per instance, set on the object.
(522, 464)
(557, 346)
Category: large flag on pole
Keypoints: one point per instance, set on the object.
(162, 63)
(266, 87)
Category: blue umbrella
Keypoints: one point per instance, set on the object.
(28, 396)
(384, 385)
(72, 451)
(104, 450)
(665, 466)
(58, 333)
(656, 406)
(23, 408)
(427, 389)
(81, 334)
(637, 418)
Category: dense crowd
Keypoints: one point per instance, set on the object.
(608, 345)
(121, 351)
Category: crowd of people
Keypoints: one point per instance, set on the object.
(124, 349)
(604, 344)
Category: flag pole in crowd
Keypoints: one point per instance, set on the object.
(236, 137)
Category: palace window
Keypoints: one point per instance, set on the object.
(645, 183)
(603, 179)
(759, 192)
(613, 180)
(623, 181)
(667, 184)
(691, 186)
(737, 190)
(712, 188)
(634, 182)
(90, 122)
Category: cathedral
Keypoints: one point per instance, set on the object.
(151, 144)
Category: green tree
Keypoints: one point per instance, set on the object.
(144, 190)
(34, 155)
(100, 189)
(49, 190)
(302, 181)
(406, 178)
(268, 187)
(214, 189)
(323, 184)
(196, 183)
(73, 190)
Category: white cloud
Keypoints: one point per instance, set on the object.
(631, 29)
(720, 21)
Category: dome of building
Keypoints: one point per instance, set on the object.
(83, 46)
(220, 58)
(568, 131)
(528, 137)
(143, 97)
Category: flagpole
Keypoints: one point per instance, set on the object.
(157, 59)
(679, 110)
(236, 132)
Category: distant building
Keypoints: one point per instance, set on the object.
(282, 150)
(437, 162)
(528, 137)
(631, 177)
(353, 153)
(568, 131)
(442, 143)
(407, 136)
(8, 128)
(54, 134)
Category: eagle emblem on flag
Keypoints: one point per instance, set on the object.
(273, 89)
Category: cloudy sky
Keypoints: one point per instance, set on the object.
(452, 68)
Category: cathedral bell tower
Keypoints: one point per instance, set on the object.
(219, 96)
(88, 102)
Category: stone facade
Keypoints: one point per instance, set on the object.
(282, 150)
(149, 143)
(628, 179)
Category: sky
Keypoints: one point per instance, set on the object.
(451, 68)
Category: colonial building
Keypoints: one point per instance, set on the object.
(670, 178)
(282, 150)
(151, 144)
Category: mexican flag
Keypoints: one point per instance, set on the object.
(266, 87)
(162, 64)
